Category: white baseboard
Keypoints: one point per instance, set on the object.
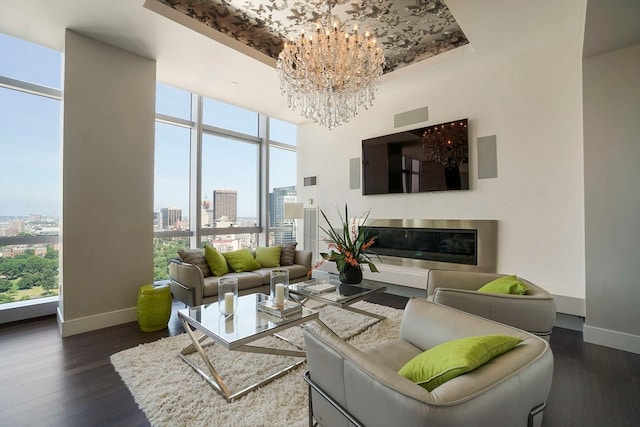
(614, 339)
(570, 305)
(98, 321)
(569, 321)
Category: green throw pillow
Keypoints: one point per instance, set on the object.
(505, 285)
(453, 358)
(241, 260)
(268, 257)
(217, 262)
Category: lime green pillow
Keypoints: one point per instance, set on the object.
(505, 285)
(217, 262)
(241, 260)
(448, 360)
(268, 257)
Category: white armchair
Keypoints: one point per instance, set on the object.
(533, 312)
(352, 387)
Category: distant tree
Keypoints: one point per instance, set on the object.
(49, 283)
(164, 250)
(12, 267)
(35, 264)
(5, 285)
(28, 281)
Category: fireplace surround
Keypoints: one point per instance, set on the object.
(450, 244)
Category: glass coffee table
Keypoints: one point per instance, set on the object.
(235, 333)
(337, 294)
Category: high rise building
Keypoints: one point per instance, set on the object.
(277, 199)
(206, 213)
(169, 217)
(225, 204)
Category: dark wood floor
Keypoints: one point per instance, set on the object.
(46, 380)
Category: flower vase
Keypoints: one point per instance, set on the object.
(351, 275)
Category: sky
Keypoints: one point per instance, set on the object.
(30, 143)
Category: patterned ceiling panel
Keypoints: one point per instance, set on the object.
(408, 31)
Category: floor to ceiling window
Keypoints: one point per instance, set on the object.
(30, 81)
(209, 163)
(282, 181)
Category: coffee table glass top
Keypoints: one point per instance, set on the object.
(335, 291)
(246, 324)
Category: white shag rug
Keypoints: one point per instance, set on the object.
(171, 393)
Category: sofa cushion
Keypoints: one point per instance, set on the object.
(448, 360)
(288, 254)
(268, 257)
(241, 260)
(216, 261)
(246, 280)
(197, 258)
(505, 285)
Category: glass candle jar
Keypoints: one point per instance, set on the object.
(279, 286)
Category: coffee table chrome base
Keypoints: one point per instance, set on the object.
(365, 313)
(302, 299)
(214, 379)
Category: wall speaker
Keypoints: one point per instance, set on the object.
(310, 240)
(487, 157)
(310, 180)
(410, 117)
(354, 173)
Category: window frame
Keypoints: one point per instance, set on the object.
(19, 310)
(196, 231)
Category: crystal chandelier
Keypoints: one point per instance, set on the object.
(446, 144)
(330, 74)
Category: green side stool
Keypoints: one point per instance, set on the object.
(154, 307)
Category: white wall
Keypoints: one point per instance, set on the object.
(107, 183)
(532, 102)
(612, 197)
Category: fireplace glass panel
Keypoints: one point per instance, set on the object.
(459, 246)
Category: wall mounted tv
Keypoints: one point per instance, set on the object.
(432, 158)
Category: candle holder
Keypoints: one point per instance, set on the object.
(228, 295)
(279, 287)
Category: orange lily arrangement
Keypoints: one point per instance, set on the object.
(349, 245)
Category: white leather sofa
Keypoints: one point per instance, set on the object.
(352, 387)
(534, 312)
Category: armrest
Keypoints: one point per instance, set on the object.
(303, 257)
(533, 313)
(187, 282)
(467, 280)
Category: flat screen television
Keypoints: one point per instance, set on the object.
(432, 158)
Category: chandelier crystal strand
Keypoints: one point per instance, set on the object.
(330, 74)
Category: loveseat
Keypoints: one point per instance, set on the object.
(366, 388)
(191, 286)
(534, 311)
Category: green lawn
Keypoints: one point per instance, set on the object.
(35, 292)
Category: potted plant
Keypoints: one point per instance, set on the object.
(348, 247)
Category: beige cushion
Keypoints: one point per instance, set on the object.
(197, 258)
(288, 254)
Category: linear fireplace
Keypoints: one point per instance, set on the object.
(435, 244)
